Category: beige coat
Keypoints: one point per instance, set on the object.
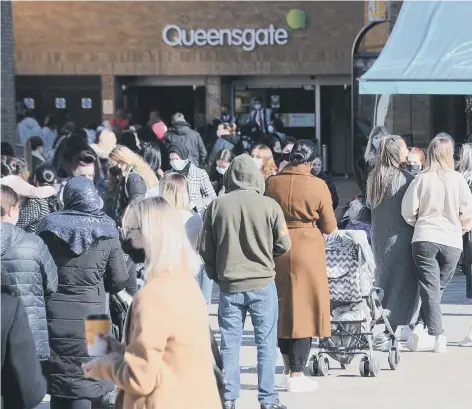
(301, 277)
(168, 363)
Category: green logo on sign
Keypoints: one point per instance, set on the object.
(296, 19)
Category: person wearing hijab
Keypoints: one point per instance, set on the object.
(85, 246)
(200, 188)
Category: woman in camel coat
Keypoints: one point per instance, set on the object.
(166, 362)
(301, 277)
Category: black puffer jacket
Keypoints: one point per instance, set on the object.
(83, 281)
(29, 272)
(181, 134)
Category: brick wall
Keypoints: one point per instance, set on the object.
(8, 119)
(125, 38)
(213, 97)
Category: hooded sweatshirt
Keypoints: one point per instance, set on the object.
(27, 128)
(243, 231)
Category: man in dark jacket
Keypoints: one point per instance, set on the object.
(180, 133)
(242, 233)
(23, 384)
(28, 269)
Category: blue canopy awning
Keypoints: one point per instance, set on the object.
(429, 52)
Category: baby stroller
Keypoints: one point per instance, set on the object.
(355, 307)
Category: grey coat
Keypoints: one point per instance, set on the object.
(391, 244)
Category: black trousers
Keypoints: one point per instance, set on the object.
(297, 351)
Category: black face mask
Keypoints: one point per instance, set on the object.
(137, 255)
(114, 170)
(413, 169)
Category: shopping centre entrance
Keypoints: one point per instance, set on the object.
(143, 95)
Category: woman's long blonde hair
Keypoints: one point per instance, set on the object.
(174, 188)
(386, 175)
(163, 236)
(440, 155)
(130, 161)
(464, 166)
(269, 167)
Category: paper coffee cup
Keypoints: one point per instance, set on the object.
(95, 325)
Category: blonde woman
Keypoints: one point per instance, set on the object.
(174, 188)
(391, 235)
(265, 160)
(438, 203)
(166, 361)
(130, 177)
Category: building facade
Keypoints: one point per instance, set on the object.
(85, 59)
(81, 60)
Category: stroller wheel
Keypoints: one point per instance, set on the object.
(313, 365)
(393, 358)
(364, 366)
(323, 365)
(374, 367)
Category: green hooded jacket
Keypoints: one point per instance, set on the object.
(243, 231)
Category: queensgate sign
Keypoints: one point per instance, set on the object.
(248, 38)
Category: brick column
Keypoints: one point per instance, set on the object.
(213, 98)
(108, 91)
(8, 118)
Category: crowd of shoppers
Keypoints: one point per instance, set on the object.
(90, 215)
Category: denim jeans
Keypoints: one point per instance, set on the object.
(205, 284)
(435, 265)
(263, 308)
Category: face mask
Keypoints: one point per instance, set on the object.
(220, 133)
(257, 107)
(259, 162)
(376, 143)
(270, 128)
(178, 164)
(221, 171)
(114, 170)
(15, 219)
(136, 255)
(413, 169)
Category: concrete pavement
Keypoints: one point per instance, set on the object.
(423, 380)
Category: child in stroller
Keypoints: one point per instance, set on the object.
(355, 307)
(350, 218)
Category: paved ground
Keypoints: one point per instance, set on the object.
(423, 380)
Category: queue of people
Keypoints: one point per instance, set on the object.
(106, 220)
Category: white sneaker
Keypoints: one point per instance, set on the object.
(404, 333)
(301, 384)
(466, 342)
(284, 383)
(414, 338)
(441, 344)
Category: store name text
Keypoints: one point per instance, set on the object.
(248, 39)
